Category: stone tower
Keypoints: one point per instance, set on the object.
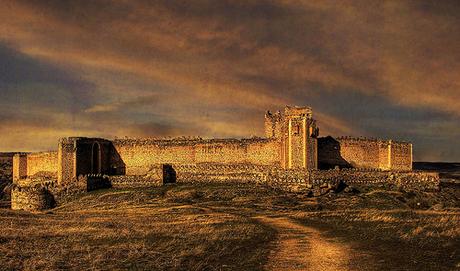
(297, 133)
(299, 138)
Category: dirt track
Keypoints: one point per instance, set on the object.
(303, 248)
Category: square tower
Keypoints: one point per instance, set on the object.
(299, 138)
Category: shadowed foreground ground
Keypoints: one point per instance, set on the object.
(236, 227)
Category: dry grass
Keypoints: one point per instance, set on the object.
(215, 227)
(402, 236)
(133, 229)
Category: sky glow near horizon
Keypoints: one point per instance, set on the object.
(383, 69)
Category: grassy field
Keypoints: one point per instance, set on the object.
(216, 227)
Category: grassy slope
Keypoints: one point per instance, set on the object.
(212, 227)
(385, 227)
(151, 229)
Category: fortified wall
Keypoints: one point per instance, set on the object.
(292, 144)
(290, 152)
(314, 182)
(138, 155)
(364, 153)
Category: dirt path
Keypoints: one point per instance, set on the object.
(303, 248)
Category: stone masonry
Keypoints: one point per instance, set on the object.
(291, 145)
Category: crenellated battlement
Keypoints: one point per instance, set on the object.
(370, 139)
(187, 141)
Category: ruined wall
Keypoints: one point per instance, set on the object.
(132, 181)
(31, 198)
(314, 182)
(320, 181)
(193, 173)
(140, 155)
(41, 193)
(42, 163)
(154, 177)
(47, 194)
(221, 173)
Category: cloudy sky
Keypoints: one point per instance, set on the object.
(387, 69)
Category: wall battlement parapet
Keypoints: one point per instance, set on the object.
(74, 138)
(370, 139)
(188, 141)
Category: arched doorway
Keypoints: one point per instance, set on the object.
(96, 159)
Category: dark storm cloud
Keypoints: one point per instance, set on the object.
(378, 68)
(31, 83)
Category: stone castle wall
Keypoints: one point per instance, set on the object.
(222, 173)
(41, 193)
(291, 142)
(92, 156)
(31, 198)
(30, 164)
(320, 182)
(365, 153)
(140, 155)
(193, 173)
(82, 156)
(293, 180)
(154, 177)
(401, 156)
(42, 163)
(347, 152)
(287, 159)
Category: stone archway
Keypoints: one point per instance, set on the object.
(96, 158)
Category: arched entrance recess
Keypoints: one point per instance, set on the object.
(96, 158)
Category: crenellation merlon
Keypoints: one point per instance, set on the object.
(370, 139)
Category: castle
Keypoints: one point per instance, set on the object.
(291, 144)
